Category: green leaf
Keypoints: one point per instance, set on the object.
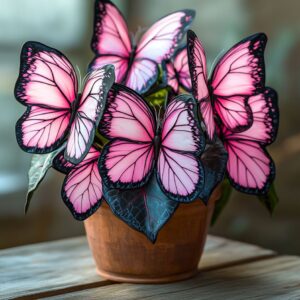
(40, 164)
(158, 98)
(270, 200)
(100, 139)
(221, 203)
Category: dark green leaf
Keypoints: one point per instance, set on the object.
(270, 200)
(221, 203)
(40, 164)
(145, 209)
(214, 161)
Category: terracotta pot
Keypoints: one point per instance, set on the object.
(125, 255)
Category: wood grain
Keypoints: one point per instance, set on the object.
(220, 252)
(64, 266)
(46, 267)
(274, 278)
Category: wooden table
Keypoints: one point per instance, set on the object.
(228, 270)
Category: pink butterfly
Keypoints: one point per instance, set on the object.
(177, 71)
(139, 145)
(136, 64)
(82, 187)
(249, 166)
(47, 85)
(238, 75)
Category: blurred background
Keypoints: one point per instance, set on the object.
(67, 26)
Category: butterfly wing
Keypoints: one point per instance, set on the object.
(157, 44)
(61, 165)
(47, 85)
(127, 160)
(179, 171)
(181, 66)
(89, 113)
(111, 42)
(142, 74)
(265, 118)
(161, 40)
(239, 74)
(171, 76)
(120, 64)
(177, 71)
(250, 167)
(82, 187)
(198, 72)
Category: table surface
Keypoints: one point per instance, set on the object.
(228, 270)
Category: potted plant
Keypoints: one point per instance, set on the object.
(150, 143)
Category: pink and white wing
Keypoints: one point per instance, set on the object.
(127, 164)
(179, 170)
(239, 74)
(127, 160)
(250, 167)
(198, 72)
(47, 85)
(265, 118)
(161, 40)
(181, 66)
(177, 71)
(82, 187)
(120, 64)
(157, 44)
(143, 73)
(111, 42)
(89, 113)
(171, 76)
(127, 116)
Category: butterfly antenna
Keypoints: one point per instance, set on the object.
(154, 108)
(85, 77)
(79, 76)
(215, 62)
(139, 32)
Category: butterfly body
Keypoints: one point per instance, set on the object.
(130, 59)
(157, 144)
(75, 104)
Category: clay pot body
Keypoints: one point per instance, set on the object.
(126, 255)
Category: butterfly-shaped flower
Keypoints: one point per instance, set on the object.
(249, 167)
(177, 71)
(139, 145)
(82, 187)
(136, 63)
(238, 75)
(47, 85)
